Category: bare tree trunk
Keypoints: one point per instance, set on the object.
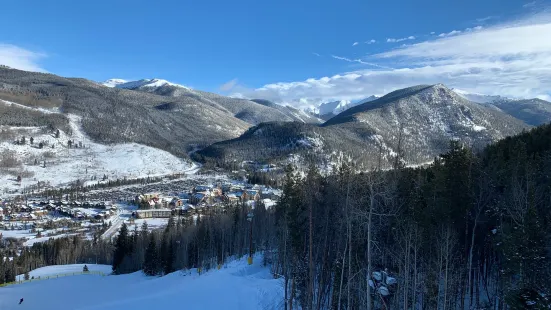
(342, 274)
(310, 260)
(369, 267)
(292, 294)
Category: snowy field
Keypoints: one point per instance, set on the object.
(65, 269)
(235, 286)
(65, 165)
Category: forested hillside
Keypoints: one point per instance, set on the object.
(472, 231)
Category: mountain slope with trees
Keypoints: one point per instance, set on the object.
(414, 124)
(249, 111)
(112, 115)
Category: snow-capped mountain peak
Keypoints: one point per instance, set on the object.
(114, 82)
(480, 98)
(143, 83)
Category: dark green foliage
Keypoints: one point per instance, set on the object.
(123, 247)
(151, 266)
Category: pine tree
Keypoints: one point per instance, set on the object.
(167, 252)
(57, 133)
(122, 248)
(151, 263)
(31, 140)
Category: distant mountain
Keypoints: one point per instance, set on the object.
(295, 114)
(416, 122)
(480, 98)
(112, 115)
(328, 110)
(246, 110)
(532, 111)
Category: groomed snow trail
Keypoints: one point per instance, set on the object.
(236, 286)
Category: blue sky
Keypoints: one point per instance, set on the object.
(265, 48)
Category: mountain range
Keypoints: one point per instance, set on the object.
(532, 111)
(413, 124)
(251, 111)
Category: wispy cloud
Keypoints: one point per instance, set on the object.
(485, 19)
(229, 85)
(511, 59)
(477, 28)
(393, 40)
(20, 58)
(449, 34)
(316, 54)
(355, 43)
(457, 32)
(529, 4)
(372, 41)
(432, 32)
(360, 62)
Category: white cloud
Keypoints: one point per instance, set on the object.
(355, 43)
(371, 41)
(228, 85)
(449, 34)
(512, 60)
(477, 28)
(20, 58)
(529, 4)
(432, 32)
(316, 54)
(393, 40)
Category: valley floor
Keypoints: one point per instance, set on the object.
(235, 286)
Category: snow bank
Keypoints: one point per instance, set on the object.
(235, 286)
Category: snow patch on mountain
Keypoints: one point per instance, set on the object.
(114, 82)
(89, 160)
(143, 83)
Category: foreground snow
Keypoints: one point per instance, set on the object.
(235, 286)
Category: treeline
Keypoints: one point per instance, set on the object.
(472, 231)
(61, 251)
(203, 242)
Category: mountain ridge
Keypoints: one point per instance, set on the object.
(415, 124)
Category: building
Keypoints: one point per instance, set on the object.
(161, 213)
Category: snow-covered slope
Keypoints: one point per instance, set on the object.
(64, 164)
(334, 107)
(235, 286)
